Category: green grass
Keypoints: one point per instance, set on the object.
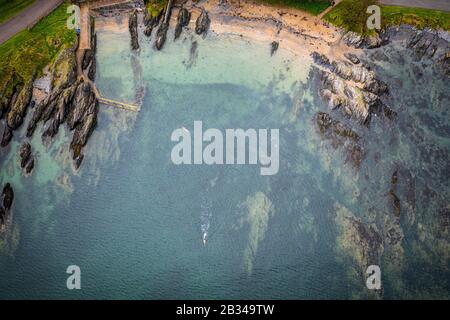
(28, 52)
(312, 6)
(351, 16)
(9, 8)
(418, 17)
(154, 7)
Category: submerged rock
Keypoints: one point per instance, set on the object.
(184, 17)
(133, 26)
(6, 204)
(360, 240)
(202, 23)
(30, 166)
(274, 47)
(8, 197)
(25, 154)
(341, 135)
(395, 201)
(26, 158)
(2, 217)
(78, 160)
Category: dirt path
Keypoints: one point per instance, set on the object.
(329, 9)
(27, 18)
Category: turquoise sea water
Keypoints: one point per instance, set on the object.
(133, 221)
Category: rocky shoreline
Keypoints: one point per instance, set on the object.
(348, 84)
(70, 100)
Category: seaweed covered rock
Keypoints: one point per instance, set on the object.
(202, 23)
(184, 16)
(341, 136)
(19, 108)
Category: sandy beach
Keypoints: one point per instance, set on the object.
(293, 29)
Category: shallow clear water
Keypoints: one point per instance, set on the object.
(133, 221)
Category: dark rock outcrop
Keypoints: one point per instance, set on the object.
(19, 107)
(183, 19)
(26, 158)
(151, 22)
(71, 102)
(202, 23)
(426, 45)
(89, 62)
(82, 119)
(133, 26)
(89, 55)
(353, 89)
(274, 47)
(161, 36)
(352, 39)
(8, 92)
(7, 136)
(352, 58)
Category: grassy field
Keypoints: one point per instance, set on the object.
(9, 8)
(312, 6)
(350, 15)
(28, 52)
(417, 17)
